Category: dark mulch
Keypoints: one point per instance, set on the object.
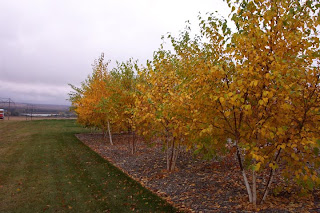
(196, 185)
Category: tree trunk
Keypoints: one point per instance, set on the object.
(103, 133)
(272, 171)
(131, 142)
(110, 136)
(172, 155)
(176, 153)
(247, 185)
(167, 153)
(133, 150)
(244, 174)
(254, 189)
(266, 190)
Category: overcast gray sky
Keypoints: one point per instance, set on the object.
(46, 44)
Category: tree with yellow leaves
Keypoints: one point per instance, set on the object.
(123, 97)
(160, 104)
(86, 100)
(264, 87)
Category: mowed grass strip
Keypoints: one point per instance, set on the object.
(45, 168)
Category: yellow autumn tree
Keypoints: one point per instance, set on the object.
(86, 100)
(160, 104)
(276, 47)
(263, 92)
(123, 97)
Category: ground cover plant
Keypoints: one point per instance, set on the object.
(45, 168)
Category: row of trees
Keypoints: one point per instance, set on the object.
(254, 92)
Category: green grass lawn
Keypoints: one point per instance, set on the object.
(45, 168)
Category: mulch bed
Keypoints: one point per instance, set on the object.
(196, 185)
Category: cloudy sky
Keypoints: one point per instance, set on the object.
(46, 44)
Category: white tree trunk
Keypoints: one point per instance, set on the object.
(244, 174)
(133, 148)
(110, 136)
(172, 154)
(254, 189)
(175, 157)
(247, 185)
(167, 153)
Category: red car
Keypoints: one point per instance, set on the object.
(1, 113)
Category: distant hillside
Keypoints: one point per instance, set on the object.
(45, 107)
(18, 108)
